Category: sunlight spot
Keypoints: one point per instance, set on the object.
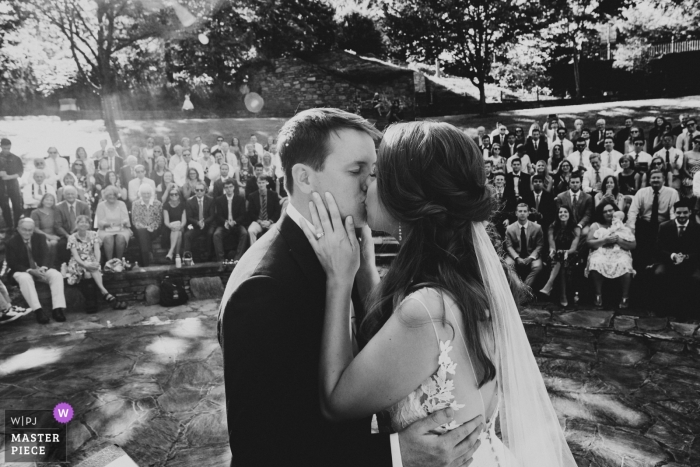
(189, 328)
(168, 347)
(32, 358)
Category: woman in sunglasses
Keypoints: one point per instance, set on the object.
(657, 163)
(499, 162)
(635, 133)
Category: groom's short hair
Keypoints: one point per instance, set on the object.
(304, 138)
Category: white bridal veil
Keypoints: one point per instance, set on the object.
(529, 426)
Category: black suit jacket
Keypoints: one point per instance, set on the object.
(18, 257)
(547, 210)
(583, 214)
(270, 333)
(274, 210)
(667, 243)
(597, 141)
(192, 210)
(126, 176)
(506, 152)
(523, 185)
(238, 210)
(218, 189)
(542, 152)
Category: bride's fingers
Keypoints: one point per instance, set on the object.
(323, 214)
(334, 212)
(350, 230)
(315, 219)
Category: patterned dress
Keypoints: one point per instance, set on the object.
(73, 271)
(611, 261)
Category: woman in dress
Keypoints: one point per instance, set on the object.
(611, 192)
(691, 165)
(101, 176)
(541, 169)
(656, 131)
(82, 155)
(519, 135)
(148, 153)
(168, 184)
(562, 176)
(556, 158)
(442, 313)
(113, 180)
(44, 218)
(635, 132)
(160, 166)
(666, 130)
(628, 179)
(84, 245)
(610, 242)
(84, 181)
(270, 171)
(236, 147)
(69, 179)
(499, 162)
(190, 183)
(174, 222)
(563, 243)
(113, 224)
(146, 216)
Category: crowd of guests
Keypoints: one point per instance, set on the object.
(615, 202)
(71, 215)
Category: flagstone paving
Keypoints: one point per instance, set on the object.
(626, 388)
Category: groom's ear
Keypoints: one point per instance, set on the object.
(303, 177)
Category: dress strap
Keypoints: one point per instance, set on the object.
(411, 297)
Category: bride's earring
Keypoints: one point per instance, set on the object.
(400, 234)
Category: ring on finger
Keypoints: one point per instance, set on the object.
(319, 235)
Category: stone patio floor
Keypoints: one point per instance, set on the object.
(150, 380)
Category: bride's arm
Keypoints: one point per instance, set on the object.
(402, 354)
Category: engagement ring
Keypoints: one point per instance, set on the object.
(319, 235)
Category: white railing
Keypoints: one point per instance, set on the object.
(675, 47)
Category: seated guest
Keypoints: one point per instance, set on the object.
(488, 167)
(263, 209)
(536, 146)
(44, 218)
(509, 147)
(217, 188)
(579, 158)
(231, 218)
(561, 177)
(245, 170)
(84, 181)
(188, 188)
(175, 157)
(166, 186)
(525, 164)
(678, 264)
(505, 204)
(524, 243)
(541, 203)
(650, 207)
(269, 171)
(610, 242)
(200, 219)
(673, 159)
(112, 222)
(563, 238)
(629, 180)
(38, 164)
(517, 182)
(182, 171)
(69, 180)
(127, 172)
(27, 259)
(251, 184)
(160, 166)
(210, 167)
(35, 191)
(8, 312)
(499, 162)
(611, 192)
(84, 245)
(593, 178)
(542, 170)
(642, 160)
(579, 203)
(657, 163)
(174, 222)
(146, 215)
(113, 180)
(67, 211)
(101, 176)
(567, 147)
(116, 163)
(610, 158)
(139, 181)
(57, 165)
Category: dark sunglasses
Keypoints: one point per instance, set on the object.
(198, 190)
(639, 144)
(174, 194)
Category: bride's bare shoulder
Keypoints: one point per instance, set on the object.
(421, 307)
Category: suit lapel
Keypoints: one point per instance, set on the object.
(303, 253)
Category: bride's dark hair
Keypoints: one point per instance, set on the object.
(431, 178)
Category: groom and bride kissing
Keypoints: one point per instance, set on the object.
(314, 344)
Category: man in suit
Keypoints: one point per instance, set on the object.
(251, 185)
(135, 183)
(167, 147)
(200, 219)
(27, 255)
(231, 220)
(506, 204)
(536, 147)
(684, 141)
(579, 203)
(116, 163)
(501, 137)
(66, 213)
(517, 181)
(576, 132)
(598, 137)
(128, 172)
(524, 243)
(217, 188)
(623, 135)
(678, 261)
(263, 209)
(567, 146)
(541, 203)
(277, 292)
(510, 148)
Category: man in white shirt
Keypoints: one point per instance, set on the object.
(673, 158)
(56, 164)
(100, 153)
(197, 148)
(684, 140)
(610, 158)
(579, 158)
(560, 139)
(526, 165)
(183, 168)
(38, 163)
(230, 156)
(219, 141)
(256, 147)
(33, 192)
(642, 160)
(136, 183)
(176, 158)
(593, 178)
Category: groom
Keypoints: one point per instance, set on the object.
(272, 314)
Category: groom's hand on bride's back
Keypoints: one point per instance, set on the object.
(422, 447)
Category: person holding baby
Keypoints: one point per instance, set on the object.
(611, 243)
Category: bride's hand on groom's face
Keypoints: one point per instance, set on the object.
(334, 242)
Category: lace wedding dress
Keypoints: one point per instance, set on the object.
(437, 392)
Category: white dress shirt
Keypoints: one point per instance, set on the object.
(675, 157)
(135, 183)
(642, 158)
(643, 201)
(696, 183)
(589, 182)
(196, 151)
(610, 159)
(180, 172)
(32, 194)
(566, 146)
(396, 461)
(525, 164)
(684, 142)
(174, 162)
(58, 166)
(575, 159)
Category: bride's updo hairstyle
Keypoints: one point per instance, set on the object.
(431, 178)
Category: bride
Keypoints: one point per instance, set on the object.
(442, 328)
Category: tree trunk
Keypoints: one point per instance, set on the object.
(110, 106)
(482, 97)
(577, 76)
